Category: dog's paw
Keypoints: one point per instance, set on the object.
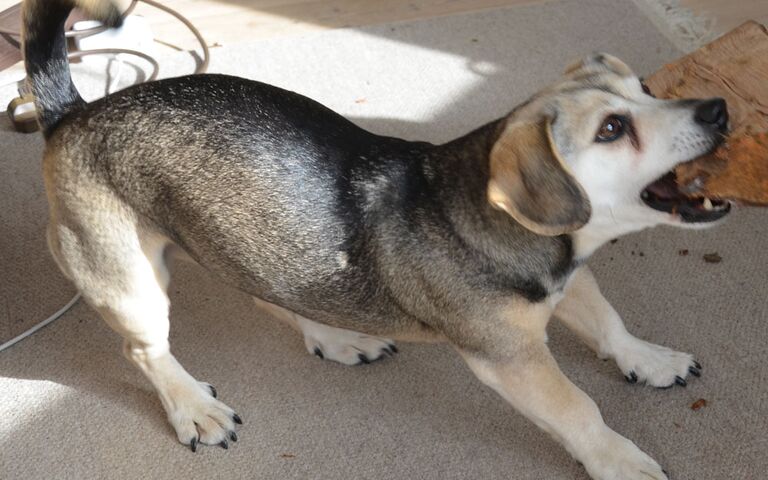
(346, 346)
(198, 417)
(641, 361)
(617, 458)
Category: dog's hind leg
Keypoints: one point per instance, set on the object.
(586, 311)
(118, 266)
(331, 343)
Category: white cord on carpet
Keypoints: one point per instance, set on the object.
(114, 51)
(40, 325)
(112, 87)
(92, 31)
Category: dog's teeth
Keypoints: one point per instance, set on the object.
(707, 204)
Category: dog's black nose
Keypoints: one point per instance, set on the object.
(713, 113)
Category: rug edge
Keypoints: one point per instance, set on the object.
(687, 30)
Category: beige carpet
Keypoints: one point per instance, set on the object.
(72, 408)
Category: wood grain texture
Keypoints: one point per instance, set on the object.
(734, 67)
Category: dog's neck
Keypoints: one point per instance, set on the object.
(606, 224)
(459, 172)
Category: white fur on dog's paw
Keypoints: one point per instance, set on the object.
(345, 346)
(655, 365)
(617, 458)
(198, 417)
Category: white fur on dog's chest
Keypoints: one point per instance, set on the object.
(554, 298)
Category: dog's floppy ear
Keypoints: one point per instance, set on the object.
(598, 61)
(530, 182)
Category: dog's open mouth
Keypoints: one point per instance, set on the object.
(665, 195)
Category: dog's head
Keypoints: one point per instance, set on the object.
(594, 152)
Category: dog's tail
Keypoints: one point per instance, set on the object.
(45, 53)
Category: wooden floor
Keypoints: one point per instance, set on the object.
(228, 21)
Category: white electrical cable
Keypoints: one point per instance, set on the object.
(94, 30)
(203, 45)
(112, 87)
(200, 69)
(113, 51)
(40, 325)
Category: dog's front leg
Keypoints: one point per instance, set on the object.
(527, 376)
(585, 310)
(509, 354)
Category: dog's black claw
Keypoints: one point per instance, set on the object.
(236, 418)
(697, 365)
(319, 352)
(214, 393)
(694, 371)
(233, 436)
(393, 347)
(193, 445)
(363, 358)
(681, 381)
(224, 444)
(665, 472)
(631, 378)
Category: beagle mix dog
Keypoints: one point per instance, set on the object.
(357, 239)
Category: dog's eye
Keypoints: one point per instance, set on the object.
(612, 128)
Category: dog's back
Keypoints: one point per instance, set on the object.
(266, 188)
(251, 162)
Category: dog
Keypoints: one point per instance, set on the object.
(357, 239)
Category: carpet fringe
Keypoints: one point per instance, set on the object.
(687, 30)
